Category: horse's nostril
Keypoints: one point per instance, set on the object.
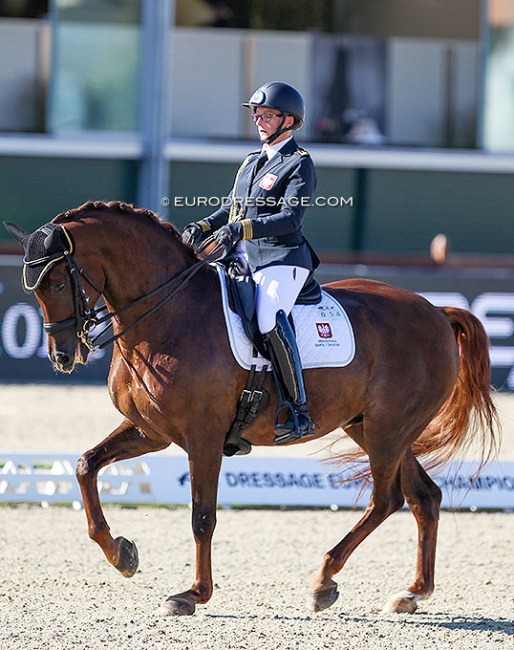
(62, 358)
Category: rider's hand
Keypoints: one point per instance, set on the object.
(193, 234)
(230, 234)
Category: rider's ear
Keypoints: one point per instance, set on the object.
(289, 123)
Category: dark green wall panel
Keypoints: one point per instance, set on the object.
(34, 190)
(406, 209)
(398, 211)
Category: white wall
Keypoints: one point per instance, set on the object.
(19, 92)
(214, 71)
(206, 82)
(278, 56)
(499, 95)
(431, 91)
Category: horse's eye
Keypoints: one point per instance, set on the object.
(59, 286)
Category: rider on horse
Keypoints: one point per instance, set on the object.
(263, 226)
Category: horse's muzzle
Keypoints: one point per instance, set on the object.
(65, 360)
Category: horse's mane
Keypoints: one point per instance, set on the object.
(125, 208)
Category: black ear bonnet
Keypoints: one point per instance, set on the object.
(43, 248)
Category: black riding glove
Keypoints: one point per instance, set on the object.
(230, 234)
(193, 233)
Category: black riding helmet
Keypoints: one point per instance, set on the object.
(283, 98)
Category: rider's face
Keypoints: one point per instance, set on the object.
(266, 128)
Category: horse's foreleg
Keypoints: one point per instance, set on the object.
(386, 498)
(124, 442)
(204, 470)
(424, 499)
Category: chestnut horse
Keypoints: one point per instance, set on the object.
(418, 385)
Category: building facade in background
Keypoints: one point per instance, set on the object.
(410, 111)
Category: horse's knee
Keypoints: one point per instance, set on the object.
(203, 523)
(83, 469)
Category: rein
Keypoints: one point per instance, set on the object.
(85, 319)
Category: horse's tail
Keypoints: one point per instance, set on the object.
(468, 419)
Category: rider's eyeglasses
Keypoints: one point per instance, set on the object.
(265, 117)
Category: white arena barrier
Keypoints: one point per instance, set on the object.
(246, 481)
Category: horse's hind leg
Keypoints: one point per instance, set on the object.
(386, 498)
(124, 442)
(424, 499)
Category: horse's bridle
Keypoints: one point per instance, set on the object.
(85, 319)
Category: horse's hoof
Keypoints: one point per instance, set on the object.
(403, 603)
(323, 598)
(128, 558)
(177, 606)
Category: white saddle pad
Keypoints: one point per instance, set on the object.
(323, 333)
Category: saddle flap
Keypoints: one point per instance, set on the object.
(242, 291)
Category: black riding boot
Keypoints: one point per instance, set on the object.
(285, 357)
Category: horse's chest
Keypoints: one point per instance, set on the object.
(140, 386)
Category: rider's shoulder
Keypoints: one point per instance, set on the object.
(249, 157)
(301, 152)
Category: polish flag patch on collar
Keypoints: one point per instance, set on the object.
(268, 181)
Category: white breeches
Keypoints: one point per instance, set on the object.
(277, 288)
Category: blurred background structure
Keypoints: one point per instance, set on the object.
(410, 119)
(410, 110)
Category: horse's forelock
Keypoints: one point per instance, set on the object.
(126, 208)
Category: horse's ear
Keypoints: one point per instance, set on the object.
(53, 242)
(16, 232)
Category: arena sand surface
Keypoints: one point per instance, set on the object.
(57, 592)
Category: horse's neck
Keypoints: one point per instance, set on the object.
(140, 267)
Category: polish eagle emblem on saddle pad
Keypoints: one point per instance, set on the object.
(323, 333)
